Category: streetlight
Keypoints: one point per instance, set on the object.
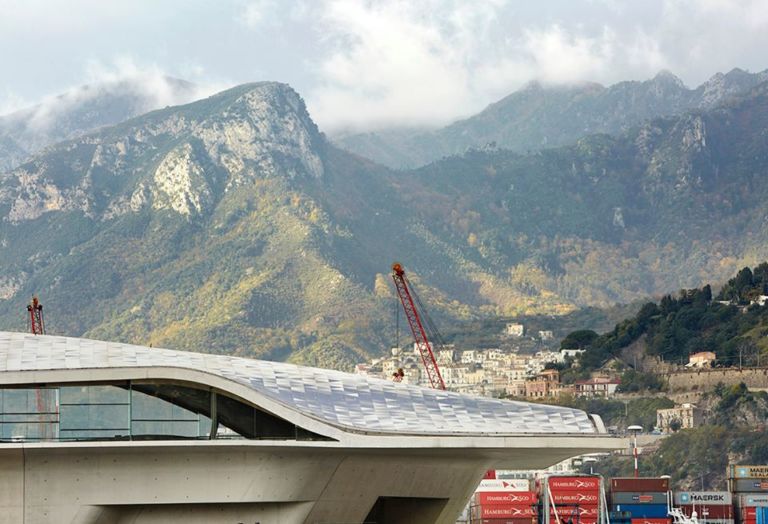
(634, 430)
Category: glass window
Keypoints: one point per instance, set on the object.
(28, 414)
(139, 410)
(169, 410)
(96, 416)
(94, 395)
(94, 412)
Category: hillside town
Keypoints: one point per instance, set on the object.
(527, 367)
(495, 371)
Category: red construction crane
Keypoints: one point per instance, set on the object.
(36, 326)
(409, 300)
(36, 323)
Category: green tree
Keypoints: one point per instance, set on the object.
(580, 339)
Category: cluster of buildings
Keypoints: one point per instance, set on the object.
(491, 372)
(509, 372)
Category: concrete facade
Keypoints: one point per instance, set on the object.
(232, 482)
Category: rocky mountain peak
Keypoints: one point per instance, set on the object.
(182, 159)
(84, 109)
(722, 86)
(665, 84)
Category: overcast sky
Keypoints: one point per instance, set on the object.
(370, 64)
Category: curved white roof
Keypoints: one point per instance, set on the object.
(343, 400)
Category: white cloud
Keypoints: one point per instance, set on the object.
(376, 63)
(155, 88)
(10, 102)
(256, 12)
(395, 63)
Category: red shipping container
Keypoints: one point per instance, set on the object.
(749, 512)
(639, 485)
(574, 483)
(650, 521)
(708, 512)
(503, 511)
(584, 498)
(565, 519)
(582, 511)
(506, 521)
(520, 498)
(749, 520)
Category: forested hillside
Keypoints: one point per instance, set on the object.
(542, 116)
(232, 225)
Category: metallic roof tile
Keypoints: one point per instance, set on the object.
(354, 402)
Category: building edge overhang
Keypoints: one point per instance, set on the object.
(492, 452)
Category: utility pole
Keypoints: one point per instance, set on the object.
(635, 429)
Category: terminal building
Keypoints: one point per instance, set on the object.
(105, 433)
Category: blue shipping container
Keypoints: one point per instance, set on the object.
(762, 515)
(648, 511)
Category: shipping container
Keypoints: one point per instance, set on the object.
(583, 511)
(504, 521)
(752, 500)
(504, 485)
(716, 521)
(625, 497)
(504, 511)
(643, 510)
(755, 515)
(740, 472)
(749, 485)
(523, 499)
(651, 521)
(574, 483)
(520, 498)
(639, 485)
(591, 497)
(703, 497)
(748, 513)
(708, 512)
(571, 519)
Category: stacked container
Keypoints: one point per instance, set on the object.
(712, 507)
(503, 501)
(643, 499)
(749, 485)
(570, 499)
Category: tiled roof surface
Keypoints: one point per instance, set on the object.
(352, 402)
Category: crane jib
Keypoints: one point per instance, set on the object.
(417, 328)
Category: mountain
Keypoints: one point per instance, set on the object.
(537, 117)
(85, 109)
(231, 224)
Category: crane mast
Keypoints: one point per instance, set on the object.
(417, 327)
(36, 323)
